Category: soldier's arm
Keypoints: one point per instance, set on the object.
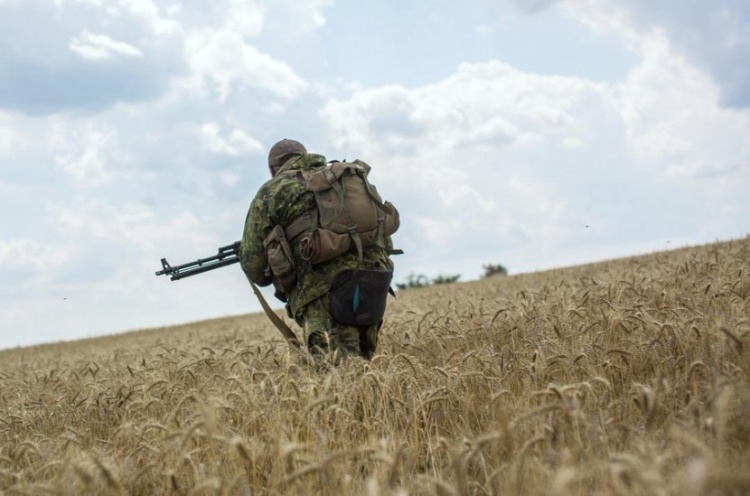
(253, 259)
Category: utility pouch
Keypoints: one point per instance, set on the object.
(280, 260)
(392, 219)
(323, 245)
(358, 297)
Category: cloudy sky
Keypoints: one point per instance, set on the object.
(532, 133)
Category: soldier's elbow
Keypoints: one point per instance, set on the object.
(259, 277)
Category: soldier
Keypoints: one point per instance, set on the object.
(321, 234)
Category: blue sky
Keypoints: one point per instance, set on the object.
(535, 134)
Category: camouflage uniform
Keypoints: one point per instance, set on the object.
(278, 202)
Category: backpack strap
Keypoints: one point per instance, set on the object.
(358, 243)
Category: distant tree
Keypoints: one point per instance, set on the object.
(441, 279)
(491, 270)
(421, 281)
(414, 281)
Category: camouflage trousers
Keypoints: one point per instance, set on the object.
(324, 335)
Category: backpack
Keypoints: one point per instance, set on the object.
(350, 214)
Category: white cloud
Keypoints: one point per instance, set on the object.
(7, 140)
(482, 215)
(10, 139)
(229, 178)
(603, 16)
(24, 253)
(460, 148)
(712, 36)
(236, 144)
(489, 105)
(149, 12)
(224, 58)
(246, 17)
(146, 10)
(84, 151)
(129, 224)
(88, 168)
(101, 47)
(95, 219)
(305, 16)
(317, 19)
(672, 117)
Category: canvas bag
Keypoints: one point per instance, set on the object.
(358, 297)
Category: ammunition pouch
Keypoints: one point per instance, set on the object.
(280, 260)
(358, 297)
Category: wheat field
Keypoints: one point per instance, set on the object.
(628, 377)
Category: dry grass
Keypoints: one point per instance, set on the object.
(626, 377)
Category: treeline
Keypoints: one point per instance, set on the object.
(420, 280)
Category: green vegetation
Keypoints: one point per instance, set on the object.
(422, 281)
(491, 270)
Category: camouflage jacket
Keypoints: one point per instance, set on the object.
(278, 202)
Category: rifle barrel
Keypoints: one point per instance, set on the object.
(188, 270)
(227, 255)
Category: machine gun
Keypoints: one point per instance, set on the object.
(227, 255)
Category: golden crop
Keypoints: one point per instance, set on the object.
(625, 377)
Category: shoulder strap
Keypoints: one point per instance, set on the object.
(280, 325)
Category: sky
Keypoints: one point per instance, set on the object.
(531, 133)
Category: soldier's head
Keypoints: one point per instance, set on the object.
(283, 151)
